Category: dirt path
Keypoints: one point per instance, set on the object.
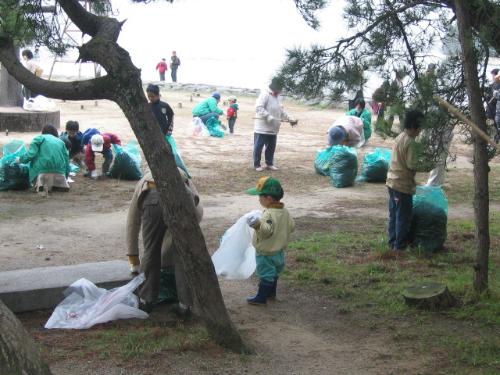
(301, 333)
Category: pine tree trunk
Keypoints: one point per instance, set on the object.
(178, 210)
(481, 168)
(18, 352)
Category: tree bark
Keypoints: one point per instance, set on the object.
(10, 90)
(18, 352)
(481, 168)
(124, 86)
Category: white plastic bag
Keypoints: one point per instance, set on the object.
(199, 128)
(39, 103)
(86, 305)
(235, 257)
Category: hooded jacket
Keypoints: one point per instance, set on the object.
(269, 113)
(47, 154)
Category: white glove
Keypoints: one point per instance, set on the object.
(17, 160)
(270, 119)
(252, 221)
(94, 174)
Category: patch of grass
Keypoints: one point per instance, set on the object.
(475, 354)
(124, 342)
(462, 187)
(358, 268)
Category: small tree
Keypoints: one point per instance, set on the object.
(123, 85)
(400, 35)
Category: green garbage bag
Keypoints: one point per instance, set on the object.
(214, 127)
(323, 161)
(127, 162)
(13, 176)
(428, 229)
(168, 287)
(178, 159)
(73, 168)
(376, 165)
(344, 166)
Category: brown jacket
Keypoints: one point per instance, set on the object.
(401, 175)
(134, 219)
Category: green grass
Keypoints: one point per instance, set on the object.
(125, 342)
(461, 186)
(353, 264)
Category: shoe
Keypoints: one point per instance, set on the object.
(272, 292)
(146, 306)
(272, 168)
(134, 268)
(260, 299)
(259, 169)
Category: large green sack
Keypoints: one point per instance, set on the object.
(344, 166)
(214, 127)
(375, 165)
(428, 229)
(13, 176)
(178, 159)
(168, 287)
(323, 162)
(127, 162)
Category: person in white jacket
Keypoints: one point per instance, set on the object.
(269, 115)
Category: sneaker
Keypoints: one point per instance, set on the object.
(259, 169)
(272, 168)
(134, 268)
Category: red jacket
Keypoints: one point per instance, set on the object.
(162, 66)
(109, 139)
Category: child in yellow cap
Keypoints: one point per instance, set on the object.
(271, 237)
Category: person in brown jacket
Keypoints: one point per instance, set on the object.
(159, 251)
(401, 180)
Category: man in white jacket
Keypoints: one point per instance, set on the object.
(269, 114)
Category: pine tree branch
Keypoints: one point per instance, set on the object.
(78, 90)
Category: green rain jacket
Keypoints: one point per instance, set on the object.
(207, 106)
(47, 154)
(366, 117)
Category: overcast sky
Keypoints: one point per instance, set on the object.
(222, 42)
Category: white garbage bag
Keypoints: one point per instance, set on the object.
(199, 128)
(39, 103)
(86, 305)
(235, 257)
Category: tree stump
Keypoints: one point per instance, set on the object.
(18, 352)
(19, 120)
(429, 296)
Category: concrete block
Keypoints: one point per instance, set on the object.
(41, 288)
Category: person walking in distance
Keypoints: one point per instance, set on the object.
(174, 65)
(162, 68)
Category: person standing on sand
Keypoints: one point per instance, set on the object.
(162, 68)
(175, 62)
(269, 114)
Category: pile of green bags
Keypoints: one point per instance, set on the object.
(214, 127)
(127, 162)
(13, 176)
(375, 165)
(338, 162)
(430, 218)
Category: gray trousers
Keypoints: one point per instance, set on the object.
(153, 231)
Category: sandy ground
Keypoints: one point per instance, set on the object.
(302, 333)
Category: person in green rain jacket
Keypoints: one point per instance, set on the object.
(365, 116)
(208, 108)
(47, 154)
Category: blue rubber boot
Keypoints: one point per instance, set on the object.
(260, 299)
(272, 293)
